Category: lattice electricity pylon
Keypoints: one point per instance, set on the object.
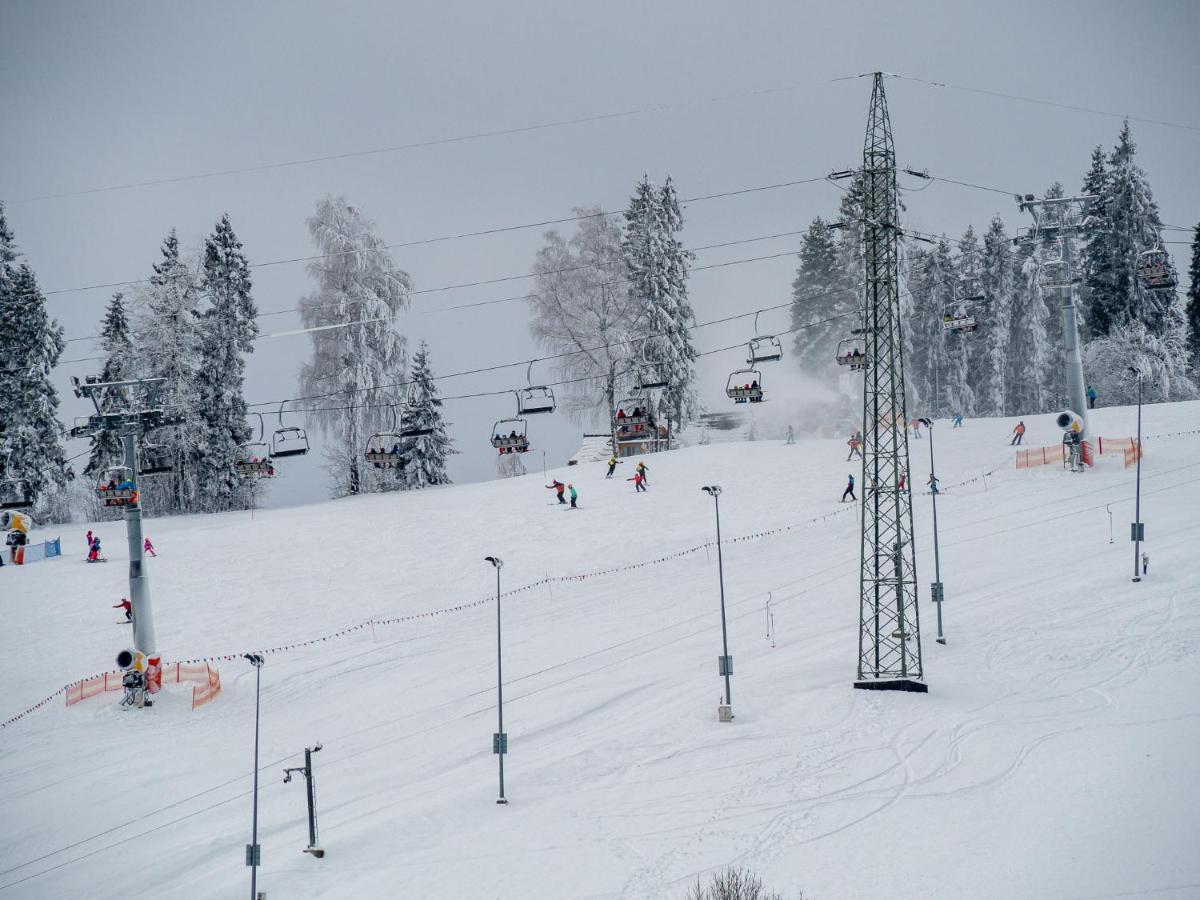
(889, 633)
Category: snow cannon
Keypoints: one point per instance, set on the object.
(11, 520)
(1069, 421)
(130, 659)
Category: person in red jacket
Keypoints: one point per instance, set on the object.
(127, 606)
(148, 547)
(558, 487)
(638, 482)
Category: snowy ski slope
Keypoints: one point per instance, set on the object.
(1054, 755)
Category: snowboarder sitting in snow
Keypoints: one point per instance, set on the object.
(127, 606)
(849, 492)
(558, 487)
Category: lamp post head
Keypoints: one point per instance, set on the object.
(928, 423)
(711, 489)
(495, 561)
(255, 659)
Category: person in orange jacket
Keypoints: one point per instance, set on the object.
(1018, 434)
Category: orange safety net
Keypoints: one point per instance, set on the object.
(205, 677)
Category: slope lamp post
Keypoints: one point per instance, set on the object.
(725, 663)
(253, 851)
(936, 589)
(499, 739)
(1138, 530)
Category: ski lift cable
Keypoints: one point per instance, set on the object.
(475, 304)
(1042, 102)
(437, 142)
(453, 237)
(551, 357)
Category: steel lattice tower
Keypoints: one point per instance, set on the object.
(889, 634)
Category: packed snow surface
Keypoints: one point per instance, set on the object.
(1054, 755)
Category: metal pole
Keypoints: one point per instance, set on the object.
(499, 690)
(721, 576)
(139, 587)
(938, 591)
(312, 798)
(1137, 508)
(253, 852)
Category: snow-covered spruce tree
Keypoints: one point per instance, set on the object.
(1132, 226)
(1096, 290)
(990, 364)
(657, 266)
(227, 332)
(426, 453)
(1161, 358)
(821, 291)
(167, 326)
(115, 341)
(1030, 353)
(960, 346)
(358, 357)
(31, 343)
(914, 306)
(581, 306)
(930, 282)
(1193, 303)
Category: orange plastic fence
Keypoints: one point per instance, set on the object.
(1041, 456)
(207, 682)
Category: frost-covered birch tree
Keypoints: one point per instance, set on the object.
(657, 265)
(356, 370)
(581, 308)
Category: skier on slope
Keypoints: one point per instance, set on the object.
(612, 464)
(933, 483)
(958, 420)
(574, 495)
(127, 606)
(638, 482)
(94, 551)
(558, 487)
(641, 469)
(1018, 434)
(148, 547)
(89, 541)
(854, 443)
(1091, 397)
(849, 492)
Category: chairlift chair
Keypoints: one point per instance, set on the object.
(763, 347)
(115, 487)
(511, 435)
(288, 440)
(633, 416)
(1154, 270)
(1055, 273)
(384, 452)
(155, 459)
(957, 317)
(15, 493)
(851, 352)
(253, 458)
(650, 377)
(535, 398)
(745, 386)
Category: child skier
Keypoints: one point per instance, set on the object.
(612, 464)
(127, 606)
(1018, 434)
(89, 541)
(849, 492)
(932, 482)
(641, 468)
(853, 444)
(148, 547)
(574, 495)
(1091, 397)
(958, 420)
(558, 487)
(637, 480)
(94, 552)
(1145, 563)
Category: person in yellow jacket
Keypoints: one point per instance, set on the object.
(641, 470)
(612, 464)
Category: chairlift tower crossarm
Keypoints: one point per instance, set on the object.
(889, 645)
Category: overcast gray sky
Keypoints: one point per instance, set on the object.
(101, 94)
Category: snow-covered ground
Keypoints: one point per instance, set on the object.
(1054, 755)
